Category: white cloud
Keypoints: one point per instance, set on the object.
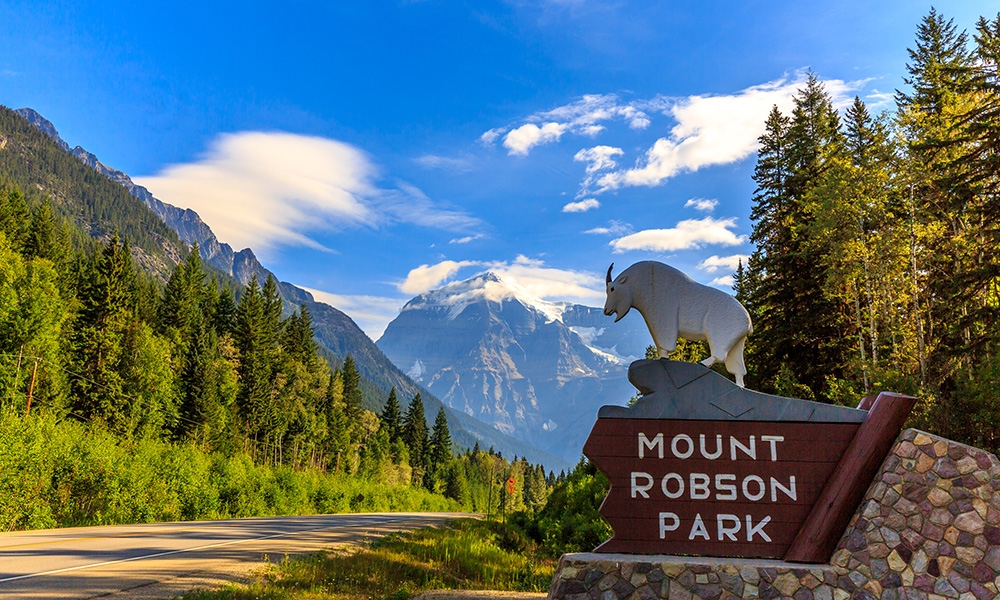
(266, 189)
(581, 206)
(583, 117)
(527, 136)
(702, 204)
(466, 239)
(691, 233)
(407, 203)
(491, 136)
(614, 227)
(548, 283)
(714, 130)
(730, 263)
(723, 281)
(427, 277)
(598, 158)
(445, 163)
(371, 313)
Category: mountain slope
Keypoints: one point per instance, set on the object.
(29, 142)
(535, 370)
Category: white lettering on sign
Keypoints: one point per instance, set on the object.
(727, 532)
(757, 529)
(675, 443)
(750, 450)
(788, 491)
(656, 442)
(680, 486)
(761, 490)
(641, 488)
(699, 486)
(672, 525)
(698, 529)
(683, 447)
(711, 487)
(773, 440)
(728, 490)
(718, 447)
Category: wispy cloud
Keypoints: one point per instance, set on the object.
(466, 239)
(427, 277)
(730, 263)
(372, 313)
(702, 204)
(614, 227)
(265, 189)
(532, 274)
(584, 116)
(691, 233)
(581, 206)
(269, 189)
(714, 130)
(445, 163)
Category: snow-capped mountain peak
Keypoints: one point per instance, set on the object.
(488, 286)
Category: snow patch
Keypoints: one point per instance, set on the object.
(588, 334)
(489, 286)
(417, 370)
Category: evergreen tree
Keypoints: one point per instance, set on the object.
(105, 315)
(224, 315)
(352, 391)
(415, 433)
(254, 344)
(440, 442)
(42, 238)
(391, 417)
(13, 217)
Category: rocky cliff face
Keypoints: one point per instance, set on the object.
(535, 370)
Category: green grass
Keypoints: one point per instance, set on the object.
(63, 474)
(463, 555)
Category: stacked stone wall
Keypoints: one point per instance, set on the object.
(927, 529)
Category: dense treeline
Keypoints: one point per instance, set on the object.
(88, 336)
(875, 264)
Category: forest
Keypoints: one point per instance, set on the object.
(89, 340)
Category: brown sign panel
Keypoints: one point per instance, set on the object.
(718, 488)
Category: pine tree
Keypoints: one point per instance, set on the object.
(254, 343)
(440, 442)
(42, 238)
(797, 323)
(352, 390)
(415, 433)
(391, 418)
(13, 217)
(105, 314)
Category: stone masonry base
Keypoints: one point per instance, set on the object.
(927, 529)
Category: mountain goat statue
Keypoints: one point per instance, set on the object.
(674, 305)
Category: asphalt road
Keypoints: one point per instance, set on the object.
(159, 560)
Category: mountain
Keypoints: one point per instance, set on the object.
(163, 230)
(535, 370)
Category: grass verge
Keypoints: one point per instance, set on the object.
(464, 555)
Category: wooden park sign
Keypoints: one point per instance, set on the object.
(700, 466)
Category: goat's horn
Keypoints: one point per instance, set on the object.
(609, 272)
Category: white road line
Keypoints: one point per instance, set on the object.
(159, 554)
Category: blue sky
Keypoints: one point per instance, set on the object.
(371, 151)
